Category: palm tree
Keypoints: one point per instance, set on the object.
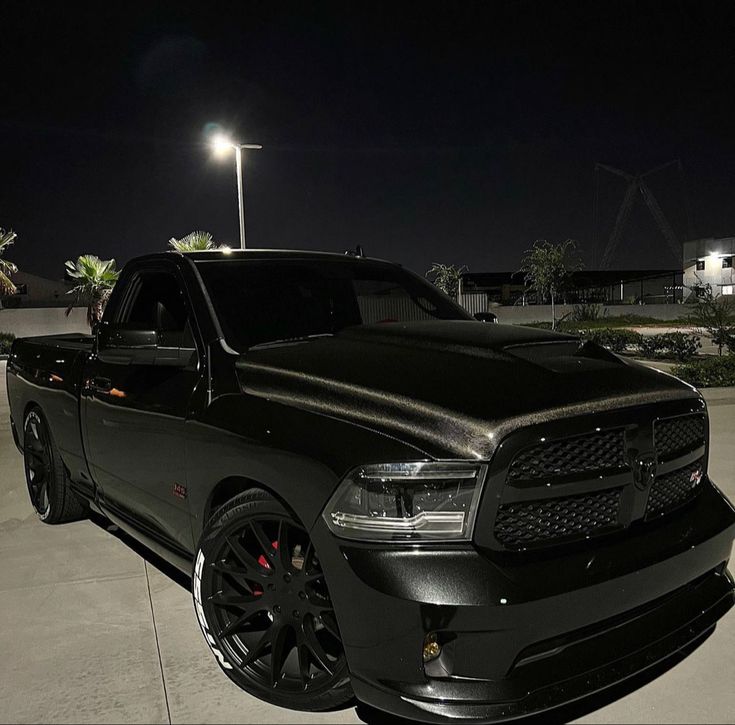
(6, 268)
(193, 242)
(96, 278)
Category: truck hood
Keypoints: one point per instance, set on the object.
(450, 388)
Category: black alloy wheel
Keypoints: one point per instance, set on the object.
(46, 477)
(263, 604)
(37, 455)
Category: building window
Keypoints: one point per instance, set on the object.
(727, 263)
(700, 265)
(727, 289)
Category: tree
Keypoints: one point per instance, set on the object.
(96, 278)
(6, 268)
(546, 268)
(715, 315)
(193, 242)
(446, 277)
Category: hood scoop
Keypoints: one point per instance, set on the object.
(565, 356)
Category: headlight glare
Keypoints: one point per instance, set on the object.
(423, 501)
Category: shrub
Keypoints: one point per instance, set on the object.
(708, 372)
(615, 339)
(651, 345)
(679, 345)
(716, 316)
(542, 326)
(6, 340)
(586, 312)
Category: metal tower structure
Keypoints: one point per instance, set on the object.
(636, 184)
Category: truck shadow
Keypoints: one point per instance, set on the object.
(150, 557)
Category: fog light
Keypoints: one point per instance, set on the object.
(432, 649)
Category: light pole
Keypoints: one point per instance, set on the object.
(222, 143)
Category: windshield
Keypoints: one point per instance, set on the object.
(261, 301)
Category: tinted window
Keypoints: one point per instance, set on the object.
(156, 302)
(264, 301)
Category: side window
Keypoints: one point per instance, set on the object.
(155, 301)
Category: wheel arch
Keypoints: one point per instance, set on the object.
(229, 487)
(17, 427)
(27, 409)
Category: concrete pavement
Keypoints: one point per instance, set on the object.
(92, 631)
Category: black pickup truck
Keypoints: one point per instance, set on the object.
(377, 495)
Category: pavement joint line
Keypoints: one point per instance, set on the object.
(67, 582)
(158, 645)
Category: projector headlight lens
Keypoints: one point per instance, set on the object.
(423, 501)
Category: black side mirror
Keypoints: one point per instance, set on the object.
(486, 317)
(125, 345)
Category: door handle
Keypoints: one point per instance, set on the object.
(101, 385)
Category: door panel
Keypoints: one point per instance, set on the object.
(134, 414)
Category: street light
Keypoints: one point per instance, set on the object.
(221, 144)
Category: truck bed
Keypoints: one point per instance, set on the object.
(66, 341)
(47, 371)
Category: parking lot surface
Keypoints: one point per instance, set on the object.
(93, 632)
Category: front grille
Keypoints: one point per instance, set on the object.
(677, 436)
(674, 489)
(588, 483)
(537, 522)
(593, 453)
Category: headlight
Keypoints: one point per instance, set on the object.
(407, 501)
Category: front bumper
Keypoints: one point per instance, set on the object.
(524, 633)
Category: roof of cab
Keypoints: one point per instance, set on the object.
(243, 254)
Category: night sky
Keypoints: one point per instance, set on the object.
(457, 132)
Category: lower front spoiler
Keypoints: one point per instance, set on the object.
(708, 600)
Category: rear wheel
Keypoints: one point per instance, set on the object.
(48, 484)
(263, 604)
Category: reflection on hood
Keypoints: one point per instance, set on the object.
(455, 386)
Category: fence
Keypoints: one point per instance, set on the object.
(474, 302)
(29, 321)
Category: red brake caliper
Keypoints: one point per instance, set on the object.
(264, 563)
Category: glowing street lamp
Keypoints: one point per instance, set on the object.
(221, 145)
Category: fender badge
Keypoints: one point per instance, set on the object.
(179, 490)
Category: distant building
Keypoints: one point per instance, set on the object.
(709, 261)
(35, 291)
(602, 286)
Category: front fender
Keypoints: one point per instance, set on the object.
(299, 456)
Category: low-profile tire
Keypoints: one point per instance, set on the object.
(262, 602)
(48, 484)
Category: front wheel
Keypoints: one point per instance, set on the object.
(263, 605)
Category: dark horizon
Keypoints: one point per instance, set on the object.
(460, 134)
